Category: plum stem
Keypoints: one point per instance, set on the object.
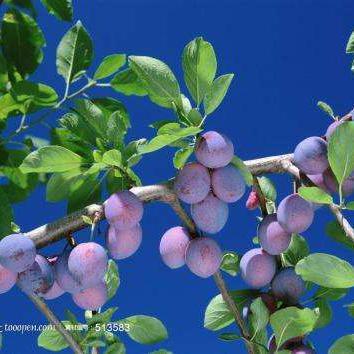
(52, 318)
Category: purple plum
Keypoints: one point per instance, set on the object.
(92, 298)
(7, 279)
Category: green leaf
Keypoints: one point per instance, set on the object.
(194, 117)
(217, 93)
(341, 151)
(84, 191)
(62, 9)
(230, 263)
(112, 158)
(259, 316)
(52, 340)
(128, 83)
(116, 348)
(267, 188)
(350, 308)
(4, 76)
(145, 329)
(330, 294)
(182, 156)
(297, 250)
(22, 41)
(199, 67)
(59, 184)
(74, 53)
(110, 65)
(163, 140)
(33, 95)
(315, 195)
(229, 337)
(245, 172)
(336, 232)
(51, 159)
(338, 273)
(350, 44)
(292, 322)
(161, 351)
(102, 317)
(325, 108)
(8, 106)
(112, 278)
(325, 313)
(217, 314)
(160, 81)
(343, 345)
(6, 214)
(350, 205)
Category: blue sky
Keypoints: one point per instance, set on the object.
(286, 56)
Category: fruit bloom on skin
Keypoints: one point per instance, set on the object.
(295, 214)
(7, 279)
(332, 184)
(173, 246)
(92, 298)
(214, 150)
(303, 349)
(38, 278)
(228, 184)
(122, 244)
(203, 257)
(63, 277)
(211, 214)
(310, 155)
(123, 209)
(17, 252)
(55, 291)
(288, 286)
(192, 183)
(257, 268)
(88, 263)
(272, 237)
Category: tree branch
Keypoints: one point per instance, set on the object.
(42, 306)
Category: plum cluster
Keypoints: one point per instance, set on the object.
(310, 156)
(79, 272)
(208, 185)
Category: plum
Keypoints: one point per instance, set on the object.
(17, 252)
(91, 298)
(38, 278)
(228, 184)
(55, 291)
(252, 202)
(203, 256)
(257, 268)
(287, 345)
(214, 150)
(88, 263)
(63, 276)
(310, 155)
(122, 244)
(332, 127)
(123, 209)
(173, 246)
(272, 237)
(270, 302)
(295, 214)
(318, 180)
(7, 279)
(303, 349)
(211, 214)
(287, 286)
(331, 183)
(192, 183)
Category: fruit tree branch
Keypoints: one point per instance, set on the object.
(42, 306)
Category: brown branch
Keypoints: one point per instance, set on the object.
(42, 306)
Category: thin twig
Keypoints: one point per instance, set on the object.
(51, 317)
